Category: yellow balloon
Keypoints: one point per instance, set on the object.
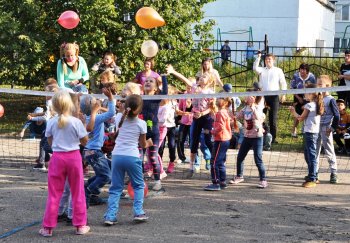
(148, 18)
(149, 48)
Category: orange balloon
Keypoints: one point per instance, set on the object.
(148, 18)
(131, 190)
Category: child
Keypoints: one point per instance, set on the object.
(253, 138)
(222, 135)
(72, 70)
(125, 158)
(65, 133)
(201, 109)
(131, 88)
(35, 127)
(108, 63)
(311, 129)
(169, 122)
(93, 154)
(342, 129)
(328, 124)
(149, 114)
(108, 80)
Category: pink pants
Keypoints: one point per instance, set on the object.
(65, 165)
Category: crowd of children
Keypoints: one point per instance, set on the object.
(113, 136)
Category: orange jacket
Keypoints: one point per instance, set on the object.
(221, 127)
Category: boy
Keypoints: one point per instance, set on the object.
(328, 124)
(342, 130)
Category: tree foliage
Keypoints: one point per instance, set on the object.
(30, 36)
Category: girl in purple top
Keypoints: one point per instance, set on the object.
(147, 73)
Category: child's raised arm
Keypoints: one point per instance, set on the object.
(170, 70)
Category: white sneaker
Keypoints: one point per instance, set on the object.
(163, 175)
(157, 186)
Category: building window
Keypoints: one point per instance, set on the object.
(336, 45)
(342, 12)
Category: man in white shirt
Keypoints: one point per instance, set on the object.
(271, 78)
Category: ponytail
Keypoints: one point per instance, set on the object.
(319, 104)
(125, 114)
(62, 121)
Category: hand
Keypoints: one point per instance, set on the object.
(328, 131)
(149, 142)
(340, 76)
(197, 115)
(95, 107)
(107, 92)
(259, 53)
(283, 98)
(291, 108)
(169, 69)
(29, 117)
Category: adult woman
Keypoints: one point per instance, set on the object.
(207, 68)
(300, 79)
(147, 73)
(72, 70)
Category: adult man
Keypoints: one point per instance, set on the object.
(344, 78)
(271, 78)
(225, 52)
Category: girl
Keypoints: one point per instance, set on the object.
(201, 107)
(72, 70)
(148, 73)
(125, 158)
(107, 79)
(108, 63)
(64, 133)
(207, 68)
(253, 138)
(311, 117)
(222, 135)
(149, 114)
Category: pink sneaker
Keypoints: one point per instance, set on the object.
(262, 184)
(46, 232)
(82, 230)
(171, 167)
(237, 179)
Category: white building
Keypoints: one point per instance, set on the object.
(296, 23)
(342, 25)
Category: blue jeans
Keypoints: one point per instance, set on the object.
(217, 162)
(66, 202)
(206, 123)
(257, 145)
(310, 143)
(102, 169)
(132, 166)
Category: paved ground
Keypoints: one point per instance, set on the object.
(283, 212)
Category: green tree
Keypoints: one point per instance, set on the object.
(30, 36)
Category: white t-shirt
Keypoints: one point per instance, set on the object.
(312, 122)
(127, 142)
(67, 138)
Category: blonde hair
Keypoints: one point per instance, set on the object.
(62, 104)
(109, 75)
(172, 90)
(326, 79)
(67, 47)
(133, 88)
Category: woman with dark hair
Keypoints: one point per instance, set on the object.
(147, 73)
(300, 80)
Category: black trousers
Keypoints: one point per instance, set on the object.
(273, 103)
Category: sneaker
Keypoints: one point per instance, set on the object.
(294, 135)
(266, 148)
(306, 178)
(82, 230)
(236, 180)
(207, 165)
(46, 232)
(171, 168)
(140, 218)
(189, 174)
(110, 222)
(96, 200)
(223, 185)
(197, 169)
(163, 175)
(309, 184)
(40, 167)
(333, 179)
(262, 184)
(157, 186)
(212, 187)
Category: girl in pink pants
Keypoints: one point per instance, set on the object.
(64, 133)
